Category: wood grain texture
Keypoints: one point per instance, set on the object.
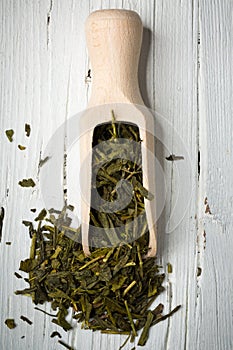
(185, 74)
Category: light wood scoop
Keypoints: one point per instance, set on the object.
(114, 41)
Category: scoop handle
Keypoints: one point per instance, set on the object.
(114, 42)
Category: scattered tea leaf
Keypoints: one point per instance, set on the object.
(41, 215)
(27, 129)
(158, 310)
(88, 76)
(207, 209)
(27, 183)
(44, 312)
(164, 317)
(125, 342)
(2, 214)
(25, 319)
(27, 223)
(55, 334)
(61, 316)
(169, 268)
(33, 210)
(10, 322)
(145, 333)
(173, 157)
(43, 161)
(22, 148)
(65, 345)
(8, 243)
(9, 134)
(17, 275)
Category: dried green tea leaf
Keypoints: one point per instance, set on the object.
(110, 331)
(65, 345)
(28, 265)
(130, 319)
(27, 183)
(9, 134)
(25, 319)
(56, 253)
(44, 312)
(27, 291)
(55, 334)
(33, 210)
(164, 317)
(70, 207)
(10, 322)
(130, 286)
(158, 310)
(22, 148)
(27, 129)
(144, 192)
(61, 317)
(173, 157)
(125, 342)
(145, 333)
(43, 161)
(118, 282)
(17, 275)
(169, 268)
(8, 243)
(2, 214)
(41, 215)
(27, 223)
(30, 226)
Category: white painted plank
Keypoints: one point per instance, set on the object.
(214, 315)
(175, 40)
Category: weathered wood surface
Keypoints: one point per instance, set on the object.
(186, 76)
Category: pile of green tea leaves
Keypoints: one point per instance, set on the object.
(111, 290)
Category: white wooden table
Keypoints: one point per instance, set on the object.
(186, 75)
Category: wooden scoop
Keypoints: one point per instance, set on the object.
(114, 41)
